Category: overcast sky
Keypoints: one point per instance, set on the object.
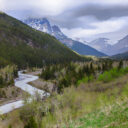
(84, 19)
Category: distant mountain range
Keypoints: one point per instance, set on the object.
(25, 46)
(98, 47)
(121, 56)
(42, 24)
(102, 45)
(121, 46)
(121, 49)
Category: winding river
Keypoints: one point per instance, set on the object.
(22, 83)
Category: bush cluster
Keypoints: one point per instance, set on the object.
(7, 75)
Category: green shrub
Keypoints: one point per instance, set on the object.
(85, 79)
(112, 74)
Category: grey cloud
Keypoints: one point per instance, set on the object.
(101, 12)
(68, 20)
(81, 16)
(89, 13)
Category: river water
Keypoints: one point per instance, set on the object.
(22, 83)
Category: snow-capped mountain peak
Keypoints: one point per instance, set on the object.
(41, 24)
(56, 28)
(101, 44)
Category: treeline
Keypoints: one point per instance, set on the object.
(68, 74)
(7, 75)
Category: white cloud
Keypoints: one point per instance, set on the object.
(1, 5)
(109, 26)
(48, 7)
(59, 8)
(52, 7)
(111, 2)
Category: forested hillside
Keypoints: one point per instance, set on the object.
(24, 46)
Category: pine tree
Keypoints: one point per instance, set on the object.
(91, 68)
(1, 81)
(99, 68)
(120, 65)
(103, 67)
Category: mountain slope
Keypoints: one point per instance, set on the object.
(25, 46)
(85, 49)
(121, 56)
(121, 46)
(102, 45)
(42, 24)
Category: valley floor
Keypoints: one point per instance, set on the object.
(95, 105)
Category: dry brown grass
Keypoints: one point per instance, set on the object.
(12, 119)
(10, 94)
(33, 71)
(101, 87)
(44, 85)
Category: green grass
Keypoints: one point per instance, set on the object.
(113, 116)
(112, 74)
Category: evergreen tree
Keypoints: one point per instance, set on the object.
(99, 68)
(103, 67)
(120, 64)
(1, 81)
(91, 68)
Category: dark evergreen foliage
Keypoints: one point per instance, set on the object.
(24, 46)
(120, 64)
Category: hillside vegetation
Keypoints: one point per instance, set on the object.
(94, 100)
(24, 46)
(92, 94)
(68, 74)
(8, 91)
(7, 75)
